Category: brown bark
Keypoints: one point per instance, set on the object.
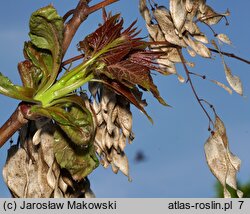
(14, 123)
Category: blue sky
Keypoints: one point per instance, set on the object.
(175, 165)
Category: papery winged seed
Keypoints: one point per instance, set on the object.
(107, 96)
(201, 38)
(110, 125)
(224, 38)
(234, 81)
(114, 114)
(99, 137)
(89, 193)
(109, 140)
(191, 27)
(209, 17)
(122, 142)
(170, 65)
(116, 137)
(191, 52)
(51, 178)
(58, 193)
(121, 161)
(96, 106)
(202, 6)
(115, 169)
(105, 115)
(155, 33)
(223, 164)
(189, 5)
(62, 185)
(163, 18)
(37, 137)
(15, 167)
(173, 55)
(111, 104)
(178, 13)
(98, 148)
(125, 120)
(47, 141)
(198, 47)
(105, 163)
(222, 86)
(145, 11)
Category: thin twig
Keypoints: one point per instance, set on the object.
(210, 105)
(80, 14)
(230, 55)
(100, 5)
(68, 14)
(193, 89)
(73, 59)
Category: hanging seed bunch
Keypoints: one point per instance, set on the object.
(178, 27)
(31, 169)
(113, 127)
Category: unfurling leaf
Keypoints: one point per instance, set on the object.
(46, 30)
(222, 163)
(7, 88)
(131, 74)
(80, 162)
(46, 34)
(30, 75)
(123, 58)
(41, 59)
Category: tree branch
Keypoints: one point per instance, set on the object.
(13, 124)
(79, 15)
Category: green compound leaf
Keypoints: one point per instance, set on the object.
(46, 33)
(80, 162)
(40, 58)
(7, 88)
